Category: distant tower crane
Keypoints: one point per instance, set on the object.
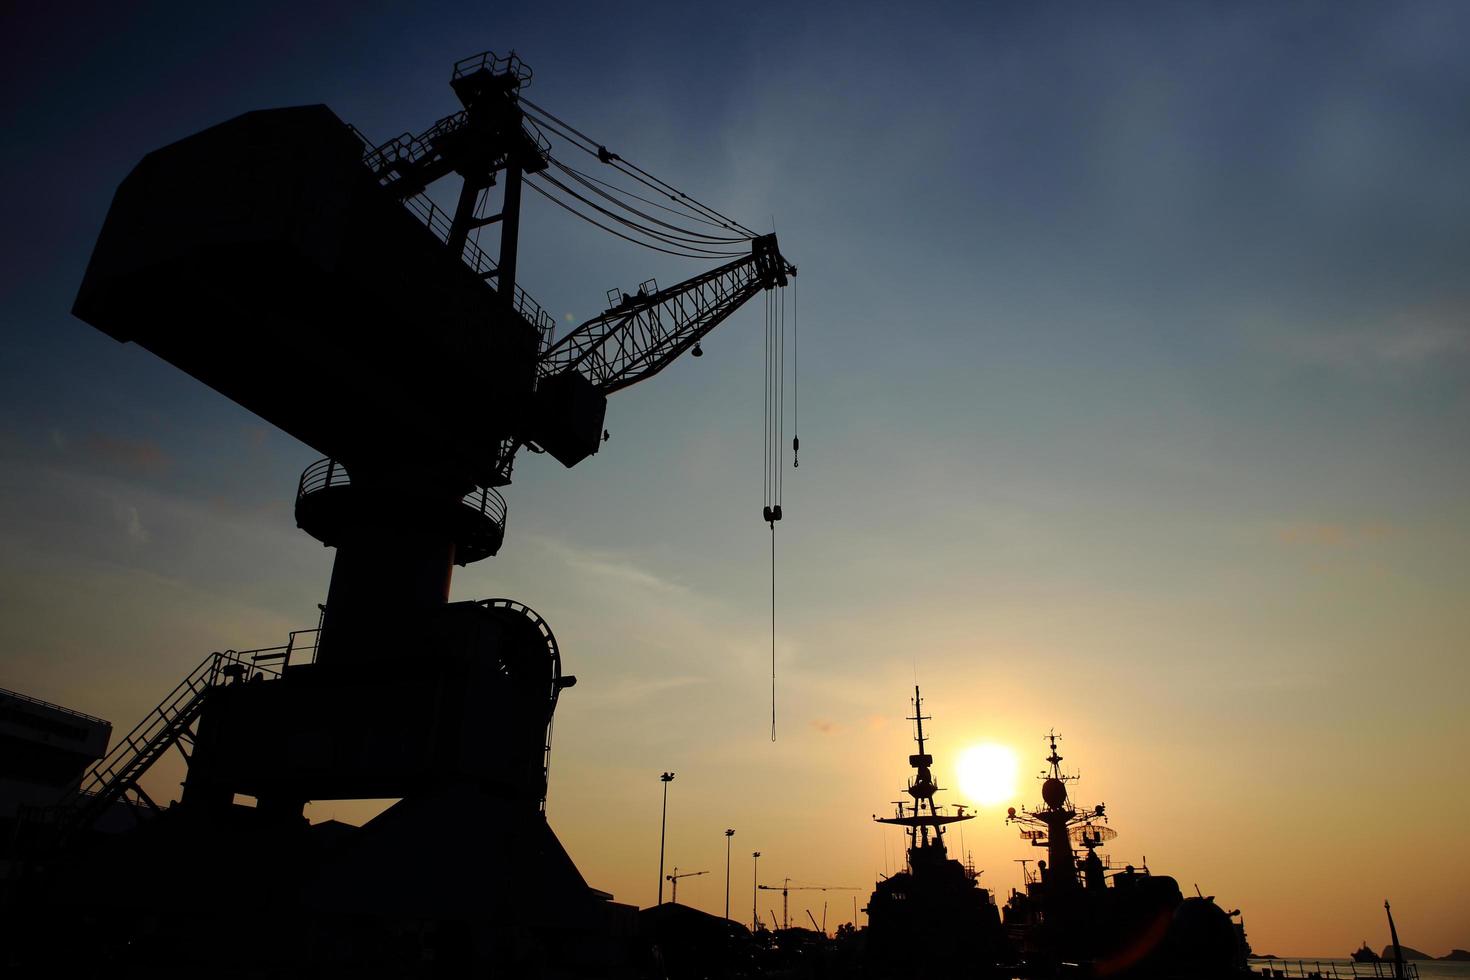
(675, 879)
(310, 276)
(786, 888)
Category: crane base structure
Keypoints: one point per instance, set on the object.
(304, 273)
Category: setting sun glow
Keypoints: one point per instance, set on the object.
(988, 773)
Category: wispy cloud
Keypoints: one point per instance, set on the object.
(131, 521)
(613, 567)
(1329, 534)
(634, 690)
(141, 456)
(1409, 339)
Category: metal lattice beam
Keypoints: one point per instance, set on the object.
(641, 335)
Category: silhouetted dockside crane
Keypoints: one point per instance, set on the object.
(786, 888)
(309, 276)
(676, 876)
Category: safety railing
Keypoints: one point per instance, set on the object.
(488, 502)
(324, 473)
(54, 707)
(439, 221)
(553, 652)
(1300, 969)
(489, 61)
(386, 159)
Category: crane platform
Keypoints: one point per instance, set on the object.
(262, 257)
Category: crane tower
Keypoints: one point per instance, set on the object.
(309, 275)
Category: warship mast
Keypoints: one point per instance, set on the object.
(1057, 823)
(933, 916)
(922, 815)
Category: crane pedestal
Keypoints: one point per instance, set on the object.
(398, 537)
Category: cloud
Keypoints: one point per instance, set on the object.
(1410, 339)
(132, 523)
(631, 690)
(613, 567)
(142, 456)
(1329, 534)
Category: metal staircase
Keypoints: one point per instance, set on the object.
(115, 777)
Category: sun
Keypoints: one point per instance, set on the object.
(988, 773)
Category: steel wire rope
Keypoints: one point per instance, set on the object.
(674, 193)
(581, 179)
(633, 225)
(664, 237)
(612, 231)
(598, 150)
(765, 416)
(795, 387)
(780, 392)
(768, 465)
(623, 190)
(697, 243)
(773, 631)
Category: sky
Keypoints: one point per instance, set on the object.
(1134, 350)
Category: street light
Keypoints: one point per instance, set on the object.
(728, 834)
(666, 778)
(755, 916)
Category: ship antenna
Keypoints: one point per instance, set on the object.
(919, 718)
(1054, 759)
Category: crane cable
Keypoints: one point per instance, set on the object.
(773, 441)
(627, 193)
(668, 239)
(650, 232)
(588, 145)
(795, 391)
(612, 231)
(688, 242)
(702, 237)
(768, 510)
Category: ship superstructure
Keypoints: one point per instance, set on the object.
(1080, 913)
(933, 914)
(1059, 824)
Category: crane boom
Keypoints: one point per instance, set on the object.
(641, 335)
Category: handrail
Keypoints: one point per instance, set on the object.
(56, 707)
(439, 221)
(382, 160)
(1304, 969)
(489, 61)
(327, 472)
(135, 752)
(553, 652)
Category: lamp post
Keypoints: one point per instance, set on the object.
(755, 916)
(728, 834)
(666, 778)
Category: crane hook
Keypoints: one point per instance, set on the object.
(698, 351)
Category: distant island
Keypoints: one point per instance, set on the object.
(1410, 953)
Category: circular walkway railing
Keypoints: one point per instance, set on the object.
(478, 521)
